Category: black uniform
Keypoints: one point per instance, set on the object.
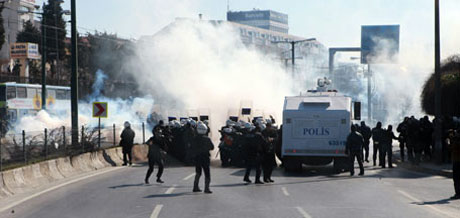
(269, 161)
(414, 146)
(366, 133)
(157, 148)
(127, 141)
(201, 146)
(354, 146)
(377, 137)
(254, 143)
(387, 148)
(402, 129)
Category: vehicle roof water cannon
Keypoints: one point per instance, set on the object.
(322, 84)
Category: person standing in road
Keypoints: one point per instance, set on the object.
(157, 148)
(387, 147)
(269, 160)
(454, 148)
(254, 144)
(127, 142)
(201, 146)
(366, 133)
(353, 149)
(402, 138)
(377, 136)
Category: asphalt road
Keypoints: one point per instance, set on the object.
(316, 192)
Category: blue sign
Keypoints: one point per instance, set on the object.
(379, 44)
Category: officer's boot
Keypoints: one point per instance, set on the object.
(195, 184)
(207, 181)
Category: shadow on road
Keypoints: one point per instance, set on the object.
(171, 195)
(442, 201)
(127, 185)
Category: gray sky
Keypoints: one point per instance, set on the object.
(332, 22)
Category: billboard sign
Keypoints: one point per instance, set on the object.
(24, 51)
(379, 44)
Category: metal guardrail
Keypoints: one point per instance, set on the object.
(23, 148)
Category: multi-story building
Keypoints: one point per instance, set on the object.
(13, 22)
(264, 19)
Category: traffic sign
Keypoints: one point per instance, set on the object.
(100, 109)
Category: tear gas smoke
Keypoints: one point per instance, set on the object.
(200, 64)
(135, 110)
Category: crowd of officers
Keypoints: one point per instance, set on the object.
(250, 145)
(416, 139)
(253, 145)
(196, 145)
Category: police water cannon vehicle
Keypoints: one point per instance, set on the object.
(315, 127)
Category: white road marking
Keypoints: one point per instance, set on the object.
(189, 176)
(55, 187)
(285, 192)
(303, 212)
(171, 189)
(156, 211)
(428, 206)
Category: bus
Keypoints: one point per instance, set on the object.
(18, 100)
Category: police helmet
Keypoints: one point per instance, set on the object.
(201, 129)
(193, 123)
(127, 124)
(228, 130)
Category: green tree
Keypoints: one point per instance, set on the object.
(55, 30)
(29, 33)
(450, 89)
(2, 29)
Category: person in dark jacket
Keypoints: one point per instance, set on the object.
(377, 136)
(366, 133)
(454, 147)
(126, 142)
(254, 144)
(201, 146)
(387, 146)
(269, 160)
(157, 152)
(402, 138)
(353, 149)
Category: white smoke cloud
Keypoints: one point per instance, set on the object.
(204, 65)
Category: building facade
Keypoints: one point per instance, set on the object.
(264, 19)
(13, 22)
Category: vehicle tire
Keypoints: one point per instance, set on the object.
(341, 164)
(292, 165)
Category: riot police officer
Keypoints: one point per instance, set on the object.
(127, 142)
(353, 148)
(157, 148)
(366, 133)
(269, 161)
(377, 137)
(254, 143)
(201, 146)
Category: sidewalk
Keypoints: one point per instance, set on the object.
(423, 167)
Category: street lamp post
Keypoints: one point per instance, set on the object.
(437, 84)
(74, 77)
(293, 49)
(43, 60)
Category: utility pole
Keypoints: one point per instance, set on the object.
(369, 94)
(43, 59)
(74, 77)
(437, 84)
(293, 49)
(57, 41)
